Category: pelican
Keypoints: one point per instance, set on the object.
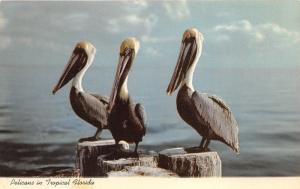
(127, 120)
(89, 107)
(207, 114)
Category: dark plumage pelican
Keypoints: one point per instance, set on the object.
(126, 120)
(207, 114)
(89, 107)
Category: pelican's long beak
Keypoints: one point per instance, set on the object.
(186, 58)
(125, 62)
(76, 62)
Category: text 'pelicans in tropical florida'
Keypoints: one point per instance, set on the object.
(90, 107)
(127, 121)
(207, 114)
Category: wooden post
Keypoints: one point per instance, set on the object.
(142, 171)
(91, 161)
(178, 160)
(106, 166)
(88, 152)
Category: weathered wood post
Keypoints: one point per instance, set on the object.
(145, 160)
(88, 152)
(91, 160)
(178, 160)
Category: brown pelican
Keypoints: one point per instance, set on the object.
(89, 107)
(127, 120)
(207, 114)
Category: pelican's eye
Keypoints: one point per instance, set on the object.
(190, 39)
(126, 51)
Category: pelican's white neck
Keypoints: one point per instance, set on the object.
(124, 90)
(188, 80)
(77, 81)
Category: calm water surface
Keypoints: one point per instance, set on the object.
(40, 130)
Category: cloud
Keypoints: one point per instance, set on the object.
(177, 10)
(133, 19)
(113, 26)
(39, 43)
(3, 21)
(150, 51)
(134, 16)
(136, 5)
(242, 25)
(74, 21)
(295, 36)
(258, 32)
(126, 23)
(151, 39)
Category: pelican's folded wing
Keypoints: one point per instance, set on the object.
(94, 108)
(103, 99)
(142, 116)
(214, 111)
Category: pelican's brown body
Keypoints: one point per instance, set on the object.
(127, 121)
(207, 114)
(188, 112)
(90, 107)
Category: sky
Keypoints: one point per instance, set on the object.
(237, 34)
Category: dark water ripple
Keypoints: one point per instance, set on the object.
(34, 156)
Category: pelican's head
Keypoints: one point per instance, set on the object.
(128, 51)
(190, 51)
(82, 56)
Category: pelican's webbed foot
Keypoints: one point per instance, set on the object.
(119, 153)
(92, 138)
(196, 149)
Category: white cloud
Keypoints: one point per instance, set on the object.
(113, 26)
(3, 22)
(258, 32)
(259, 36)
(281, 31)
(151, 39)
(150, 51)
(134, 19)
(222, 38)
(150, 22)
(141, 3)
(74, 21)
(177, 9)
(242, 25)
(136, 5)
(116, 25)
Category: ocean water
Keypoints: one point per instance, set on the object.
(40, 130)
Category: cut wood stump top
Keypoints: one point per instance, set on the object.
(142, 171)
(117, 165)
(102, 143)
(201, 164)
